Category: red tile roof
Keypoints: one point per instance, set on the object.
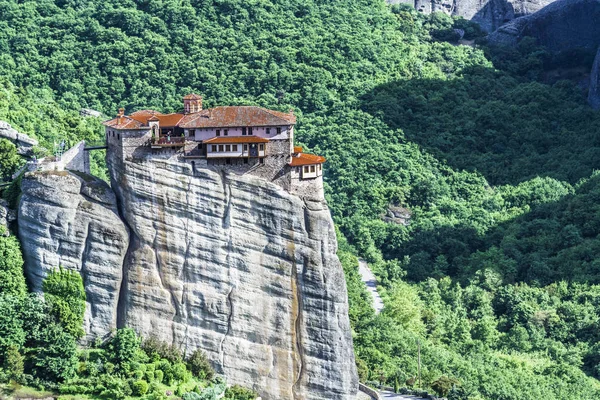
(228, 116)
(297, 149)
(236, 116)
(236, 139)
(306, 159)
(123, 123)
(192, 96)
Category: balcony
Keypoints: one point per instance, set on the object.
(168, 141)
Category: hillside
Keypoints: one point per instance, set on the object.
(496, 273)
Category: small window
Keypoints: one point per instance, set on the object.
(262, 160)
(118, 136)
(268, 131)
(244, 131)
(226, 132)
(220, 147)
(113, 133)
(320, 167)
(306, 169)
(214, 148)
(261, 147)
(312, 168)
(228, 161)
(245, 147)
(278, 130)
(227, 147)
(234, 147)
(245, 161)
(250, 131)
(200, 145)
(218, 132)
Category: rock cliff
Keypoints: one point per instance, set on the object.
(69, 221)
(563, 26)
(594, 94)
(202, 258)
(489, 14)
(238, 267)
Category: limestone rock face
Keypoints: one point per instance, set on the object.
(594, 95)
(238, 267)
(24, 143)
(71, 221)
(489, 14)
(563, 26)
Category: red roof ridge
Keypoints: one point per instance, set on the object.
(236, 139)
(279, 114)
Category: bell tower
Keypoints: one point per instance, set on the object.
(192, 103)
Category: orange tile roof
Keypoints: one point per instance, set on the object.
(297, 149)
(236, 116)
(192, 96)
(236, 139)
(306, 159)
(123, 122)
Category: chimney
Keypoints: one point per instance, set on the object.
(121, 114)
(192, 103)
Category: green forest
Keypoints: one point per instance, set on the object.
(495, 272)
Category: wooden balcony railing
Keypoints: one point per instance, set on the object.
(169, 141)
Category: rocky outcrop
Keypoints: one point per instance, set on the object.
(72, 221)
(240, 268)
(23, 142)
(489, 14)
(563, 26)
(594, 94)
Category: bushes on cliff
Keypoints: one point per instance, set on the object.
(12, 279)
(199, 365)
(65, 294)
(9, 159)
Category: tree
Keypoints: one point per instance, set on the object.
(9, 159)
(123, 348)
(199, 365)
(12, 280)
(65, 294)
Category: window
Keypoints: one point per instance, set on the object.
(245, 161)
(306, 169)
(227, 147)
(261, 147)
(262, 160)
(218, 132)
(200, 145)
(113, 133)
(234, 147)
(250, 131)
(320, 167)
(228, 161)
(245, 147)
(118, 136)
(244, 131)
(312, 168)
(214, 148)
(226, 132)
(268, 131)
(220, 147)
(278, 130)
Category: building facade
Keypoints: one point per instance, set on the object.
(241, 139)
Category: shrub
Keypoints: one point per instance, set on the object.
(122, 349)
(199, 365)
(443, 385)
(157, 349)
(237, 392)
(14, 363)
(64, 292)
(159, 375)
(140, 388)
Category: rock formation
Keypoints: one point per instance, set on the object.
(490, 14)
(23, 142)
(240, 268)
(230, 264)
(594, 94)
(72, 221)
(563, 26)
